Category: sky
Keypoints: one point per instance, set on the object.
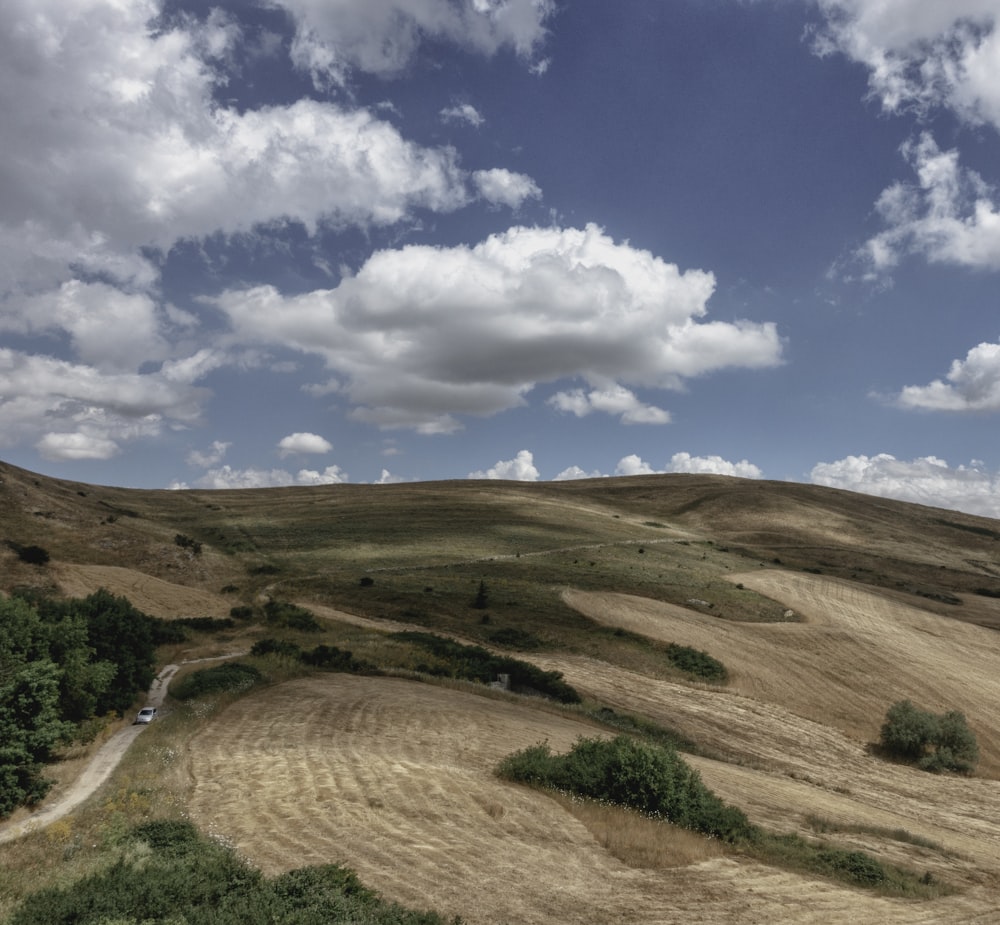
(293, 242)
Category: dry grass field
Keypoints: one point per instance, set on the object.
(395, 777)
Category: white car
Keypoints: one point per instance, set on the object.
(145, 715)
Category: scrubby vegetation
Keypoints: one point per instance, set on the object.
(697, 663)
(653, 780)
(934, 743)
(169, 874)
(474, 663)
(226, 678)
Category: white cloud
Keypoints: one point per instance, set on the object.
(951, 215)
(215, 454)
(463, 112)
(502, 187)
(116, 148)
(922, 54)
(973, 384)
(575, 472)
(519, 469)
(927, 480)
(422, 334)
(228, 477)
(113, 141)
(382, 36)
(613, 400)
(633, 465)
(109, 329)
(713, 465)
(685, 462)
(303, 443)
(331, 475)
(76, 446)
(68, 407)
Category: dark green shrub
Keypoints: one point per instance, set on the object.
(241, 613)
(275, 647)
(474, 663)
(183, 877)
(697, 663)
(283, 613)
(205, 624)
(933, 743)
(651, 779)
(231, 676)
(851, 865)
(334, 659)
(907, 731)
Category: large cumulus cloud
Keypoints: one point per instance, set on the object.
(422, 334)
(118, 145)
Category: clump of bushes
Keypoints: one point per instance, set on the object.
(225, 678)
(283, 613)
(697, 663)
(474, 663)
(175, 874)
(933, 743)
(652, 779)
(328, 657)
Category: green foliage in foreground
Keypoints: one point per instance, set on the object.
(654, 780)
(231, 677)
(933, 743)
(474, 663)
(171, 875)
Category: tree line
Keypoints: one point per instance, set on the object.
(64, 663)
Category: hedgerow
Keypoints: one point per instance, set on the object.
(474, 663)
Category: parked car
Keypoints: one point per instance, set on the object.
(145, 715)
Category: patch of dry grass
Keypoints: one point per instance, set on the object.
(639, 841)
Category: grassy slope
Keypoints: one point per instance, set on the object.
(427, 546)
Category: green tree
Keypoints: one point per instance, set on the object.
(907, 731)
(30, 727)
(934, 743)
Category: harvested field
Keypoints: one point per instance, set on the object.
(854, 653)
(394, 778)
(151, 595)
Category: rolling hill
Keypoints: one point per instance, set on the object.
(824, 606)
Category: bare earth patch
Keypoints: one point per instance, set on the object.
(395, 779)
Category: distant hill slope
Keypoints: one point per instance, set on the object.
(950, 560)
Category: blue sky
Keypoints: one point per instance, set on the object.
(301, 241)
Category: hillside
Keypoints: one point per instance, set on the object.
(824, 606)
